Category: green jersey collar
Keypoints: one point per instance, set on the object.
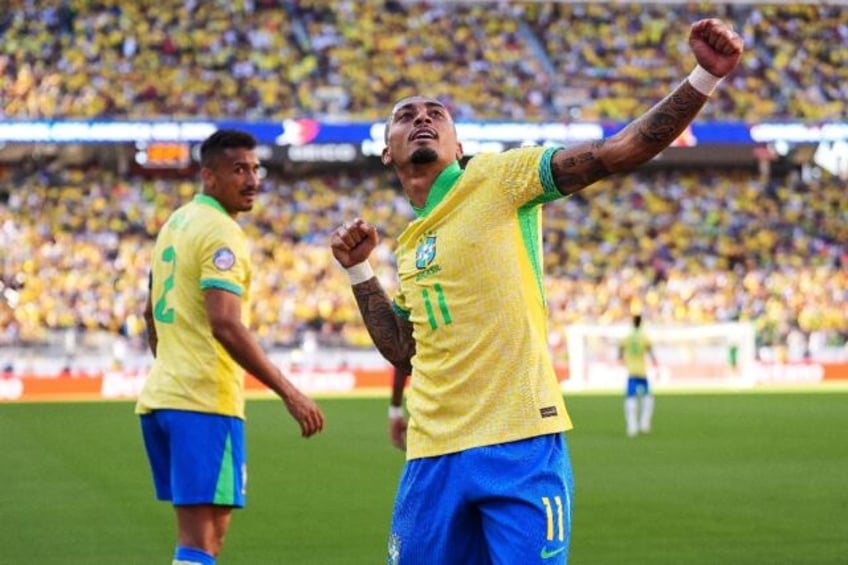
(444, 182)
(209, 201)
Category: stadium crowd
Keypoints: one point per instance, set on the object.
(690, 247)
(495, 60)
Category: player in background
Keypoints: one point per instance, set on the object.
(488, 476)
(192, 406)
(638, 400)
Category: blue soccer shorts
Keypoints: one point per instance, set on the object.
(637, 385)
(501, 504)
(196, 458)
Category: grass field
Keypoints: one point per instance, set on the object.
(724, 479)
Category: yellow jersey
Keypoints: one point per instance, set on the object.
(471, 283)
(634, 348)
(199, 247)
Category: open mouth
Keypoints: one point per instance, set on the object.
(421, 134)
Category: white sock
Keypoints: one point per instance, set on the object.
(647, 413)
(631, 411)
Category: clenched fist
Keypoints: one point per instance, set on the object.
(716, 46)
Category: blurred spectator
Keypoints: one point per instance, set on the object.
(795, 68)
(692, 246)
(277, 59)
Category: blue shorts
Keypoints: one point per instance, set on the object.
(499, 504)
(196, 458)
(637, 385)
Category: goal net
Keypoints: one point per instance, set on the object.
(714, 355)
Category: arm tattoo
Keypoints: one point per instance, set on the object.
(667, 120)
(573, 172)
(576, 168)
(391, 334)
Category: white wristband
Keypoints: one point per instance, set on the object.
(703, 81)
(395, 412)
(360, 272)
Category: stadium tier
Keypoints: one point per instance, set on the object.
(744, 221)
(493, 60)
(686, 246)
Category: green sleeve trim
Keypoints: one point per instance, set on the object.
(546, 177)
(206, 284)
(528, 218)
(401, 312)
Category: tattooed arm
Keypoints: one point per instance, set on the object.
(718, 50)
(392, 335)
(575, 168)
(351, 244)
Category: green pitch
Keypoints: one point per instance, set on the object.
(729, 479)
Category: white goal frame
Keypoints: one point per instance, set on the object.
(688, 356)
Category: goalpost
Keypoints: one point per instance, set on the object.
(713, 355)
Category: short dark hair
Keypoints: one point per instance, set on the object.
(637, 320)
(223, 139)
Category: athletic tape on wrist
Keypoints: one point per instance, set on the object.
(395, 412)
(360, 272)
(703, 81)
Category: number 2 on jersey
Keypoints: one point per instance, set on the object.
(163, 313)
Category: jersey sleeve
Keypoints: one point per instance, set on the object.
(525, 175)
(224, 260)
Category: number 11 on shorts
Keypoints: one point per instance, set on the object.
(549, 512)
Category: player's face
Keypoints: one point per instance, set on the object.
(421, 131)
(233, 180)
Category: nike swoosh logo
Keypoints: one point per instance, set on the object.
(548, 554)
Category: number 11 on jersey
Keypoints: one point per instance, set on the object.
(442, 304)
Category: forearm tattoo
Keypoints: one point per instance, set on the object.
(391, 335)
(573, 172)
(667, 120)
(576, 168)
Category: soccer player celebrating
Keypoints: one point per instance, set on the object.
(488, 477)
(192, 404)
(638, 400)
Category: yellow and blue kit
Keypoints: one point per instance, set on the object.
(488, 471)
(192, 403)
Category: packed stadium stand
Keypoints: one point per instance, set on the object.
(495, 60)
(691, 245)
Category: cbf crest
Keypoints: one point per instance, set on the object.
(426, 252)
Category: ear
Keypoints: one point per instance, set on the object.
(386, 157)
(207, 177)
(458, 151)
